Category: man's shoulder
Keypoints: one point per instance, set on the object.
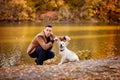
(40, 35)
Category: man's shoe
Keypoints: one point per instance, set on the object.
(36, 61)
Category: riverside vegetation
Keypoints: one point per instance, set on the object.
(75, 11)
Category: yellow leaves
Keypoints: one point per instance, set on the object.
(91, 12)
(73, 8)
(23, 16)
(18, 1)
(95, 2)
(16, 10)
(60, 2)
(84, 54)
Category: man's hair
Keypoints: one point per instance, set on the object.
(49, 26)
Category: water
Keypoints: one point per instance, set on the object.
(101, 41)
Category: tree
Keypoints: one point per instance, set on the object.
(43, 5)
(15, 10)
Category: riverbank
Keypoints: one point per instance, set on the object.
(99, 69)
(54, 23)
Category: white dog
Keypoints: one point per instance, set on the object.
(65, 53)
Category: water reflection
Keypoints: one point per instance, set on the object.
(102, 41)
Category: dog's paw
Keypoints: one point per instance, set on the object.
(59, 63)
(77, 59)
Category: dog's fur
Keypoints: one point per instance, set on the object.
(65, 53)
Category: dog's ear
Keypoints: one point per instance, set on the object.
(66, 43)
(58, 41)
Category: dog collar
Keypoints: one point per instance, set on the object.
(62, 50)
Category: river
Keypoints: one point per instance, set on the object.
(101, 41)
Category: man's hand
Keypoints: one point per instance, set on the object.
(52, 41)
(67, 38)
(56, 39)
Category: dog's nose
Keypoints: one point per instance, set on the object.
(61, 45)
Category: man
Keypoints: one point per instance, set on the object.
(41, 45)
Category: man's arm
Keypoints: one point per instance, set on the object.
(42, 43)
(64, 38)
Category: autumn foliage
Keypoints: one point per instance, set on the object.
(15, 10)
(61, 10)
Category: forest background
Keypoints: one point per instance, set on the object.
(75, 11)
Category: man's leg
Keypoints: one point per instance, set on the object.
(41, 55)
(34, 54)
(49, 54)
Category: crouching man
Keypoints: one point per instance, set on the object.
(41, 45)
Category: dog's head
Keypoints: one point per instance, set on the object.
(62, 44)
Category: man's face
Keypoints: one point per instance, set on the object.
(48, 31)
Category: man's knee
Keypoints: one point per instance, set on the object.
(51, 54)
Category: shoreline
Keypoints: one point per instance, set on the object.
(102, 69)
(37, 23)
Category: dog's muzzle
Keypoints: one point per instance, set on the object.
(61, 46)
